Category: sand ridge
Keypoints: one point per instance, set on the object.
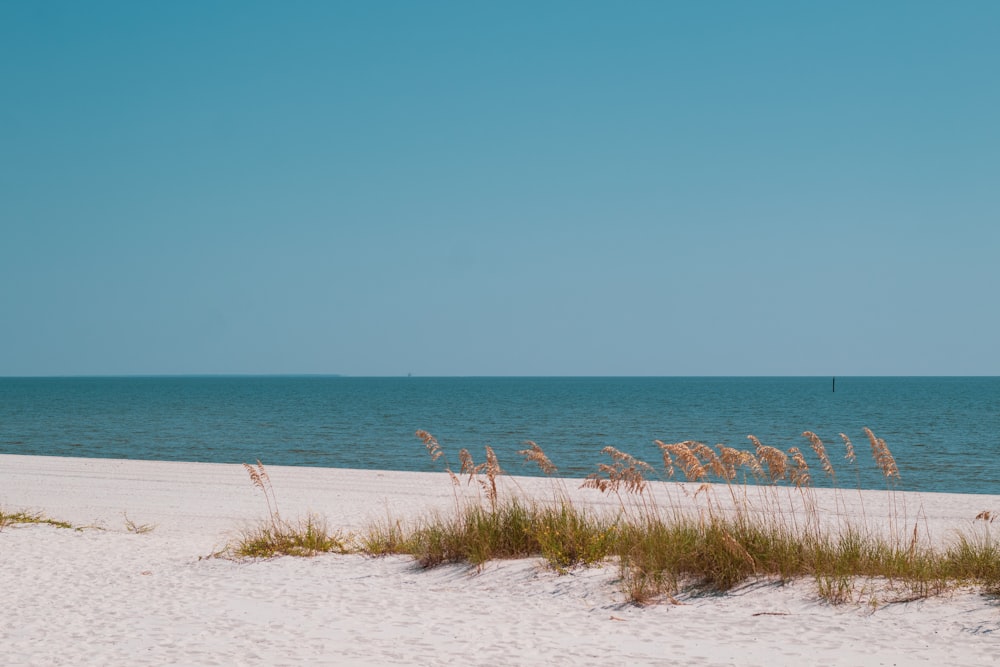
(107, 596)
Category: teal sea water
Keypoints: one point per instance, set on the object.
(944, 432)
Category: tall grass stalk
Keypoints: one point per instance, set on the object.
(279, 537)
(760, 518)
(730, 516)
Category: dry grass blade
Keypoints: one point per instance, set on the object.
(431, 443)
(260, 479)
(595, 481)
(737, 550)
(137, 528)
(912, 551)
(534, 454)
(734, 459)
(711, 460)
(255, 477)
(799, 475)
(493, 470)
(888, 466)
(820, 450)
(490, 467)
(848, 448)
(774, 459)
(668, 462)
(468, 465)
(435, 451)
(883, 457)
(687, 460)
(625, 471)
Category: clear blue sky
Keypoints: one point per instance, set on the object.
(576, 188)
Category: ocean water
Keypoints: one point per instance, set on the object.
(944, 432)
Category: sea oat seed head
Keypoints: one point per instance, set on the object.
(848, 447)
(537, 456)
(800, 474)
(431, 443)
(820, 449)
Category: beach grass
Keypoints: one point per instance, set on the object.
(9, 518)
(276, 536)
(759, 520)
(305, 537)
(137, 528)
(562, 534)
(738, 516)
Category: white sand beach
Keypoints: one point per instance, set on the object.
(105, 595)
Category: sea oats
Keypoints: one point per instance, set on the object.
(534, 454)
(883, 457)
(468, 465)
(817, 446)
(799, 475)
(668, 462)
(431, 443)
(493, 470)
(710, 458)
(736, 549)
(625, 471)
(260, 479)
(775, 459)
(733, 459)
(687, 460)
(595, 481)
(848, 447)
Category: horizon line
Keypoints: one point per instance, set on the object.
(471, 376)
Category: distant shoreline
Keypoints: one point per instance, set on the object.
(469, 377)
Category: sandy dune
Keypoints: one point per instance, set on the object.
(104, 595)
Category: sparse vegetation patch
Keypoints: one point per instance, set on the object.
(759, 519)
(22, 517)
(754, 515)
(276, 536)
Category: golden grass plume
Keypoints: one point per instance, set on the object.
(624, 471)
(534, 454)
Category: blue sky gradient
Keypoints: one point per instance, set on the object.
(724, 188)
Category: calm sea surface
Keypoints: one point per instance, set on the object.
(944, 432)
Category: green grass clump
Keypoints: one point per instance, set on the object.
(307, 537)
(278, 537)
(562, 534)
(22, 517)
